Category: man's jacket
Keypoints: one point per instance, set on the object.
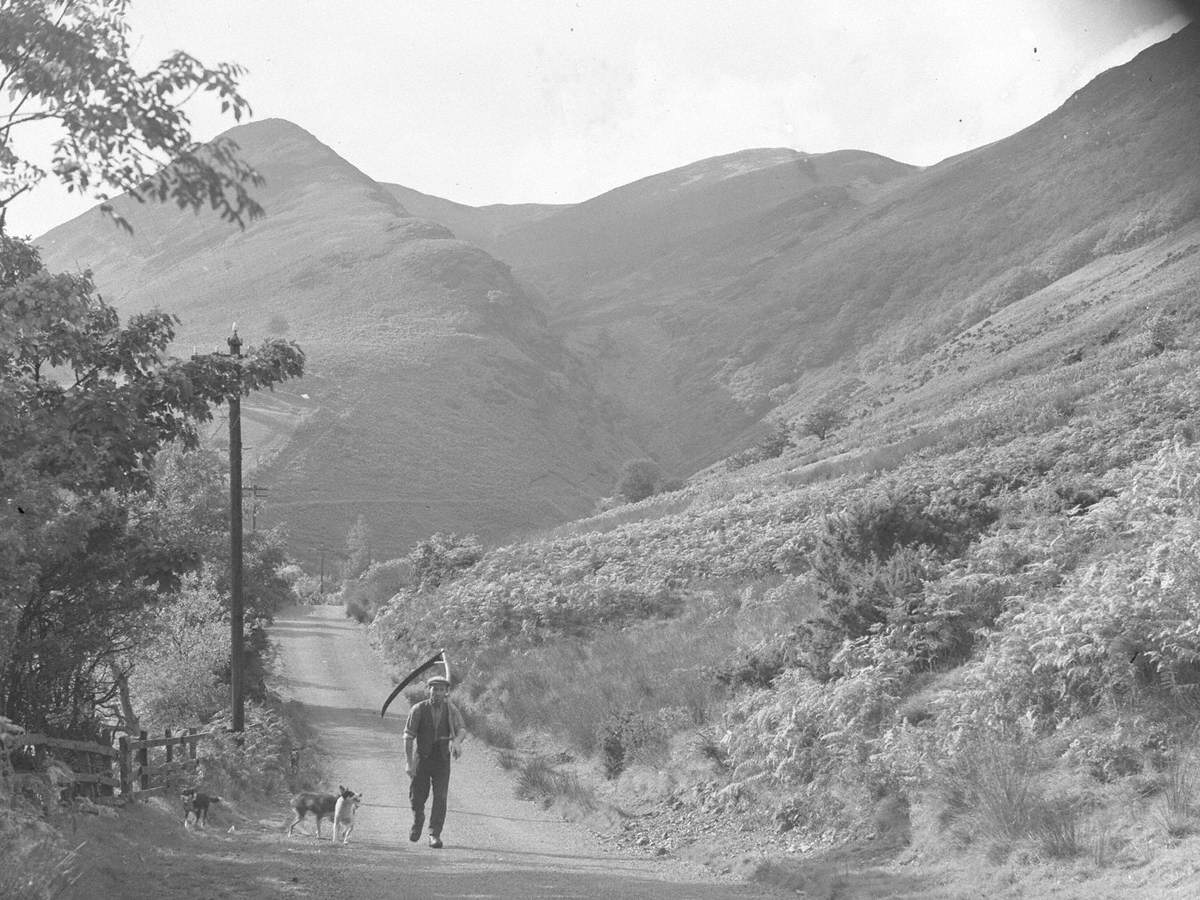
(430, 734)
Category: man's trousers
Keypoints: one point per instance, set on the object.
(432, 772)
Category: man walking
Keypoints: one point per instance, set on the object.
(434, 730)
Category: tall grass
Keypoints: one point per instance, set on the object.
(1177, 811)
(655, 507)
(36, 866)
(988, 791)
(538, 779)
(993, 792)
(661, 673)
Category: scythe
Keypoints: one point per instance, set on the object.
(439, 657)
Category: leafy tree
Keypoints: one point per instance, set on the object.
(86, 405)
(639, 479)
(823, 421)
(777, 439)
(770, 446)
(442, 557)
(874, 557)
(358, 550)
(375, 587)
(1161, 331)
(65, 63)
(185, 648)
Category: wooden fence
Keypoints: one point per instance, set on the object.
(137, 771)
(140, 775)
(95, 772)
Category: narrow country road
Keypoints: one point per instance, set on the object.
(496, 845)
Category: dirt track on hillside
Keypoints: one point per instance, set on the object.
(496, 845)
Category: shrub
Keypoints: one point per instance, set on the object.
(1020, 283)
(741, 459)
(489, 726)
(770, 446)
(627, 734)
(759, 665)
(988, 790)
(306, 588)
(537, 779)
(179, 679)
(441, 558)
(1074, 253)
(639, 479)
(814, 747)
(254, 762)
(942, 629)
(36, 864)
(822, 421)
(1057, 829)
(1177, 810)
(379, 583)
(873, 559)
(777, 439)
(1160, 331)
(1118, 750)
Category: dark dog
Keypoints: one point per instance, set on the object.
(196, 803)
(322, 806)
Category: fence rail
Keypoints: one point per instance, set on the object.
(136, 772)
(94, 773)
(41, 740)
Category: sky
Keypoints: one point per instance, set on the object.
(557, 101)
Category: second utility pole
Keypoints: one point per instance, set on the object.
(236, 615)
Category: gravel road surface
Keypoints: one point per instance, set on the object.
(496, 845)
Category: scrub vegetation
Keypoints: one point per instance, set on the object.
(969, 619)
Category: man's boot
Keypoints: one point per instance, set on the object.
(414, 833)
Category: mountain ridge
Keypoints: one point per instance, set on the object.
(675, 317)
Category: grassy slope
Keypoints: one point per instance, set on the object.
(725, 563)
(437, 399)
(681, 310)
(742, 315)
(992, 410)
(479, 225)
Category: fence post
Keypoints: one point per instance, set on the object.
(144, 762)
(191, 745)
(105, 790)
(123, 763)
(170, 754)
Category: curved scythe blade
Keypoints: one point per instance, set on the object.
(440, 656)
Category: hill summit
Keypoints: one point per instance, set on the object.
(490, 370)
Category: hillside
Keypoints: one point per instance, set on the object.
(674, 317)
(857, 265)
(754, 286)
(951, 640)
(436, 399)
(955, 640)
(479, 225)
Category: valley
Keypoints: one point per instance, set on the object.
(957, 623)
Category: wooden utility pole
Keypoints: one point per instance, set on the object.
(236, 613)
